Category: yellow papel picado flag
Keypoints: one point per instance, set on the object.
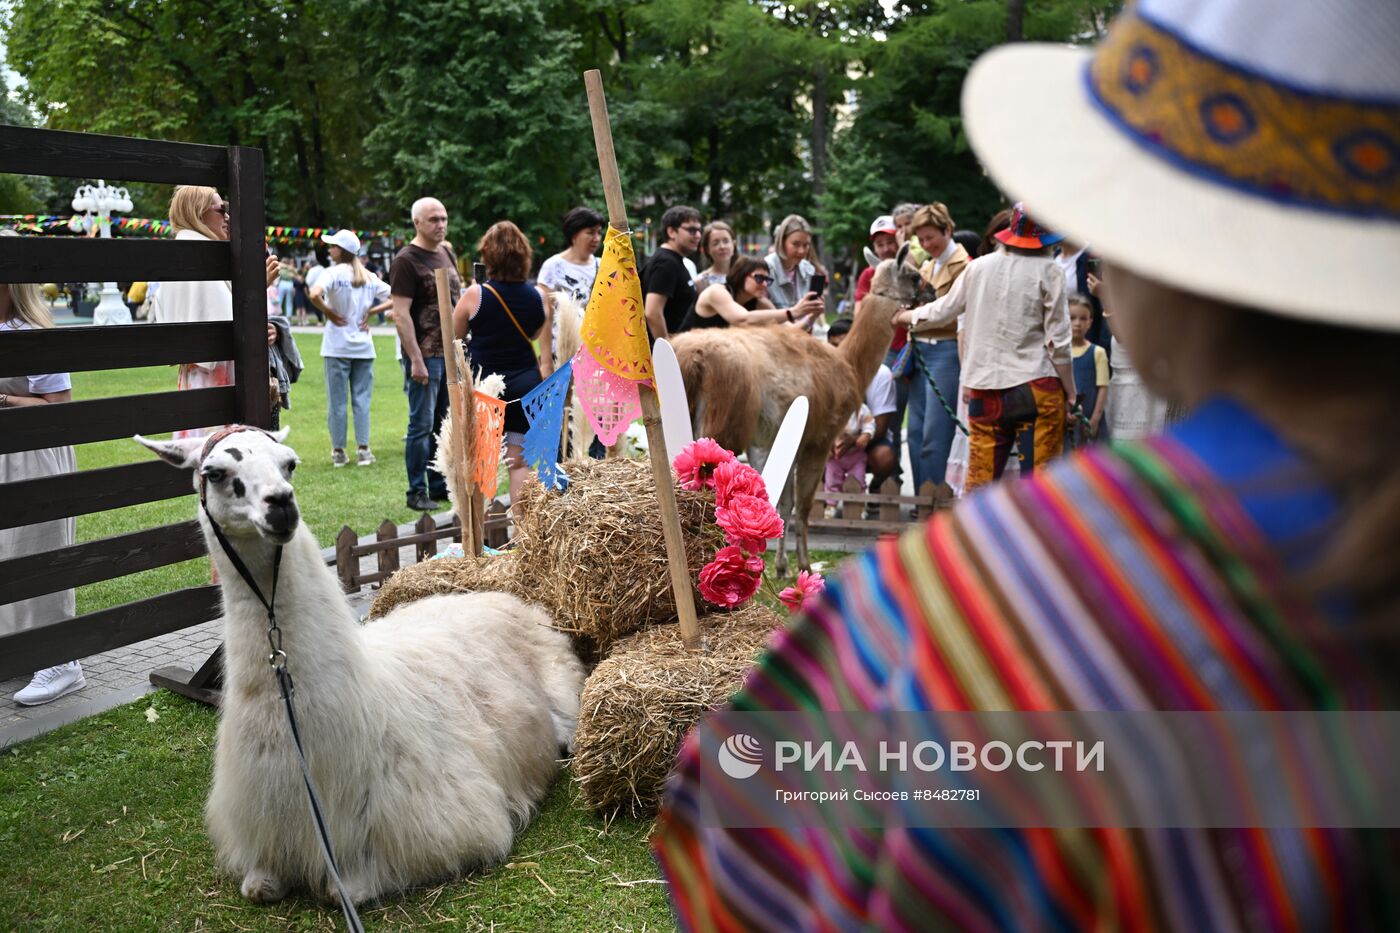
(615, 324)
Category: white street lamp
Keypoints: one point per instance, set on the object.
(103, 200)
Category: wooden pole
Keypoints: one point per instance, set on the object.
(651, 408)
(463, 415)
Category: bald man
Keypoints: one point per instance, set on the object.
(413, 289)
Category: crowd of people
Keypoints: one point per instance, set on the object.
(958, 392)
(1236, 559)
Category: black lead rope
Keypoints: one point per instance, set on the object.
(278, 660)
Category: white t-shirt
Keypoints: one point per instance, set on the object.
(43, 383)
(559, 275)
(349, 341)
(313, 275)
(880, 394)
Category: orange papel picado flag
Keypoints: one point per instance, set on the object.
(615, 324)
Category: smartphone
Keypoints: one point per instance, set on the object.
(1095, 266)
(818, 284)
(478, 272)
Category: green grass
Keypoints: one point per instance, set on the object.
(360, 497)
(101, 828)
(101, 824)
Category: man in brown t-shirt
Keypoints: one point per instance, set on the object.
(413, 289)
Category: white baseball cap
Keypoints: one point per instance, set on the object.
(883, 224)
(345, 239)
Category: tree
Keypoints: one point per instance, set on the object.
(485, 114)
(280, 75)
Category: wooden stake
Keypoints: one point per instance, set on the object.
(463, 408)
(651, 409)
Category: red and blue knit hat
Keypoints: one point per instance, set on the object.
(1025, 232)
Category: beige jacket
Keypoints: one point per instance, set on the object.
(941, 280)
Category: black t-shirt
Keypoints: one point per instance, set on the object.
(411, 276)
(665, 274)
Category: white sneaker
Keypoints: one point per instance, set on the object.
(48, 685)
(364, 457)
(338, 458)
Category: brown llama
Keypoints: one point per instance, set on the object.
(739, 382)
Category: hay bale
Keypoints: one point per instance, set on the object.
(639, 703)
(594, 555)
(448, 575)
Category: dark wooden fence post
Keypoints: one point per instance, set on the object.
(389, 557)
(347, 565)
(425, 524)
(889, 511)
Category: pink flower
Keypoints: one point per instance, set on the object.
(734, 478)
(695, 465)
(732, 577)
(801, 596)
(749, 521)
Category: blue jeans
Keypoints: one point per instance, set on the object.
(358, 375)
(427, 406)
(930, 426)
(901, 405)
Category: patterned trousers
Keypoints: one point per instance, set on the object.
(996, 416)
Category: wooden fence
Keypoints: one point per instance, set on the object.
(891, 505)
(238, 173)
(388, 544)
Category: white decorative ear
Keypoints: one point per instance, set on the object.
(183, 453)
(281, 436)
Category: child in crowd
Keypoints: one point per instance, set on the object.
(1090, 363)
(848, 454)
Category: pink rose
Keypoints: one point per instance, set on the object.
(731, 578)
(734, 478)
(749, 521)
(801, 596)
(695, 465)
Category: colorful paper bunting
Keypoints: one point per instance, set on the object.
(610, 401)
(614, 326)
(544, 407)
(490, 428)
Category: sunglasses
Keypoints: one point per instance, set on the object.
(222, 209)
(762, 279)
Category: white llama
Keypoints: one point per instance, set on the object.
(431, 734)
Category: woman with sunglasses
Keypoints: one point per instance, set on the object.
(200, 213)
(742, 300)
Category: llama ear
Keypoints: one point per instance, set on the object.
(183, 454)
(902, 256)
(280, 436)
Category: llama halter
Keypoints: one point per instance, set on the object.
(278, 659)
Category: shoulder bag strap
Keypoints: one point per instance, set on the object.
(510, 314)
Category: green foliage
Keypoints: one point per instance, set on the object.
(855, 195)
(748, 109)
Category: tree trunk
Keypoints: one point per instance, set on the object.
(819, 111)
(1015, 14)
(716, 183)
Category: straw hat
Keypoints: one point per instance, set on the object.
(1234, 148)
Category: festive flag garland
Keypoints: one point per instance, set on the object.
(156, 227)
(544, 407)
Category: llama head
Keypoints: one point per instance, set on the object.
(897, 278)
(243, 476)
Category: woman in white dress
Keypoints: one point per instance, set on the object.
(1134, 411)
(22, 308)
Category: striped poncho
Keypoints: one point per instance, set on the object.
(1150, 576)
